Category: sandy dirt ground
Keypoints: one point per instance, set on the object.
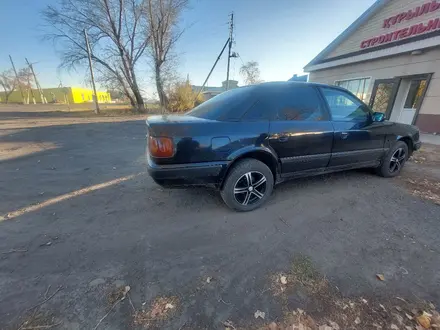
(89, 241)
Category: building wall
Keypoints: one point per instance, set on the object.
(50, 94)
(56, 95)
(82, 95)
(59, 95)
(429, 62)
(374, 26)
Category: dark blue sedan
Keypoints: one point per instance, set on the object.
(246, 140)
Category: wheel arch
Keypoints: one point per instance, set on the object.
(263, 154)
(409, 142)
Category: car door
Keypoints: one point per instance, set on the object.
(300, 131)
(358, 140)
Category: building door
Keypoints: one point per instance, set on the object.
(383, 95)
(413, 100)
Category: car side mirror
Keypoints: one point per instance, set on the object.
(378, 116)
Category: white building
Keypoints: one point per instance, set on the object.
(390, 58)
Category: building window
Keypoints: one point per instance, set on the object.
(358, 87)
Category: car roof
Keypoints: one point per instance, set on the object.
(270, 87)
(294, 83)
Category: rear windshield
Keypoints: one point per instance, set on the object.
(227, 106)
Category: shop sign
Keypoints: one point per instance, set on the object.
(431, 25)
(410, 14)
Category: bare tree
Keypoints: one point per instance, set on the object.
(113, 82)
(250, 73)
(8, 82)
(163, 17)
(118, 33)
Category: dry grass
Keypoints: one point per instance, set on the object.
(72, 108)
(161, 309)
(38, 320)
(116, 295)
(426, 189)
(393, 319)
(331, 311)
(422, 180)
(301, 273)
(428, 155)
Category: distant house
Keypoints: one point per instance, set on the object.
(210, 92)
(299, 78)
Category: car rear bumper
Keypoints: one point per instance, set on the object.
(210, 173)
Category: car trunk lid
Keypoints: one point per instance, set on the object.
(171, 125)
(191, 136)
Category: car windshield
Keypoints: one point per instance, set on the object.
(229, 105)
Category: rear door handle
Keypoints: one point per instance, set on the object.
(344, 135)
(283, 138)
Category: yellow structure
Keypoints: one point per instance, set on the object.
(66, 95)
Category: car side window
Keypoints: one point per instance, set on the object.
(300, 104)
(257, 112)
(345, 107)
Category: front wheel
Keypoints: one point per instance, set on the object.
(248, 185)
(393, 162)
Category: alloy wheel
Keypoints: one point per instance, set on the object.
(250, 188)
(397, 160)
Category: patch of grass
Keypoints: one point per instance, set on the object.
(426, 189)
(115, 295)
(326, 308)
(421, 178)
(39, 320)
(303, 272)
(160, 309)
(428, 155)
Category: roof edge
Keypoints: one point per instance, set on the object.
(348, 31)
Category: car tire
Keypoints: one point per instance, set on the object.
(394, 160)
(248, 185)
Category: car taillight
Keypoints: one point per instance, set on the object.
(160, 147)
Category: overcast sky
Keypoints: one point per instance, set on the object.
(281, 35)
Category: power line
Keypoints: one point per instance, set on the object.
(241, 59)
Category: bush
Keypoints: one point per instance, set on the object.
(182, 98)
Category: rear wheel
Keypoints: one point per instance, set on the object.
(248, 185)
(395, 159)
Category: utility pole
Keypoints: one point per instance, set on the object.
(32, 93)
(18, 80)
(212, 69)
(231, 31)
(37, 84)
(66, 94)
(91, 71)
